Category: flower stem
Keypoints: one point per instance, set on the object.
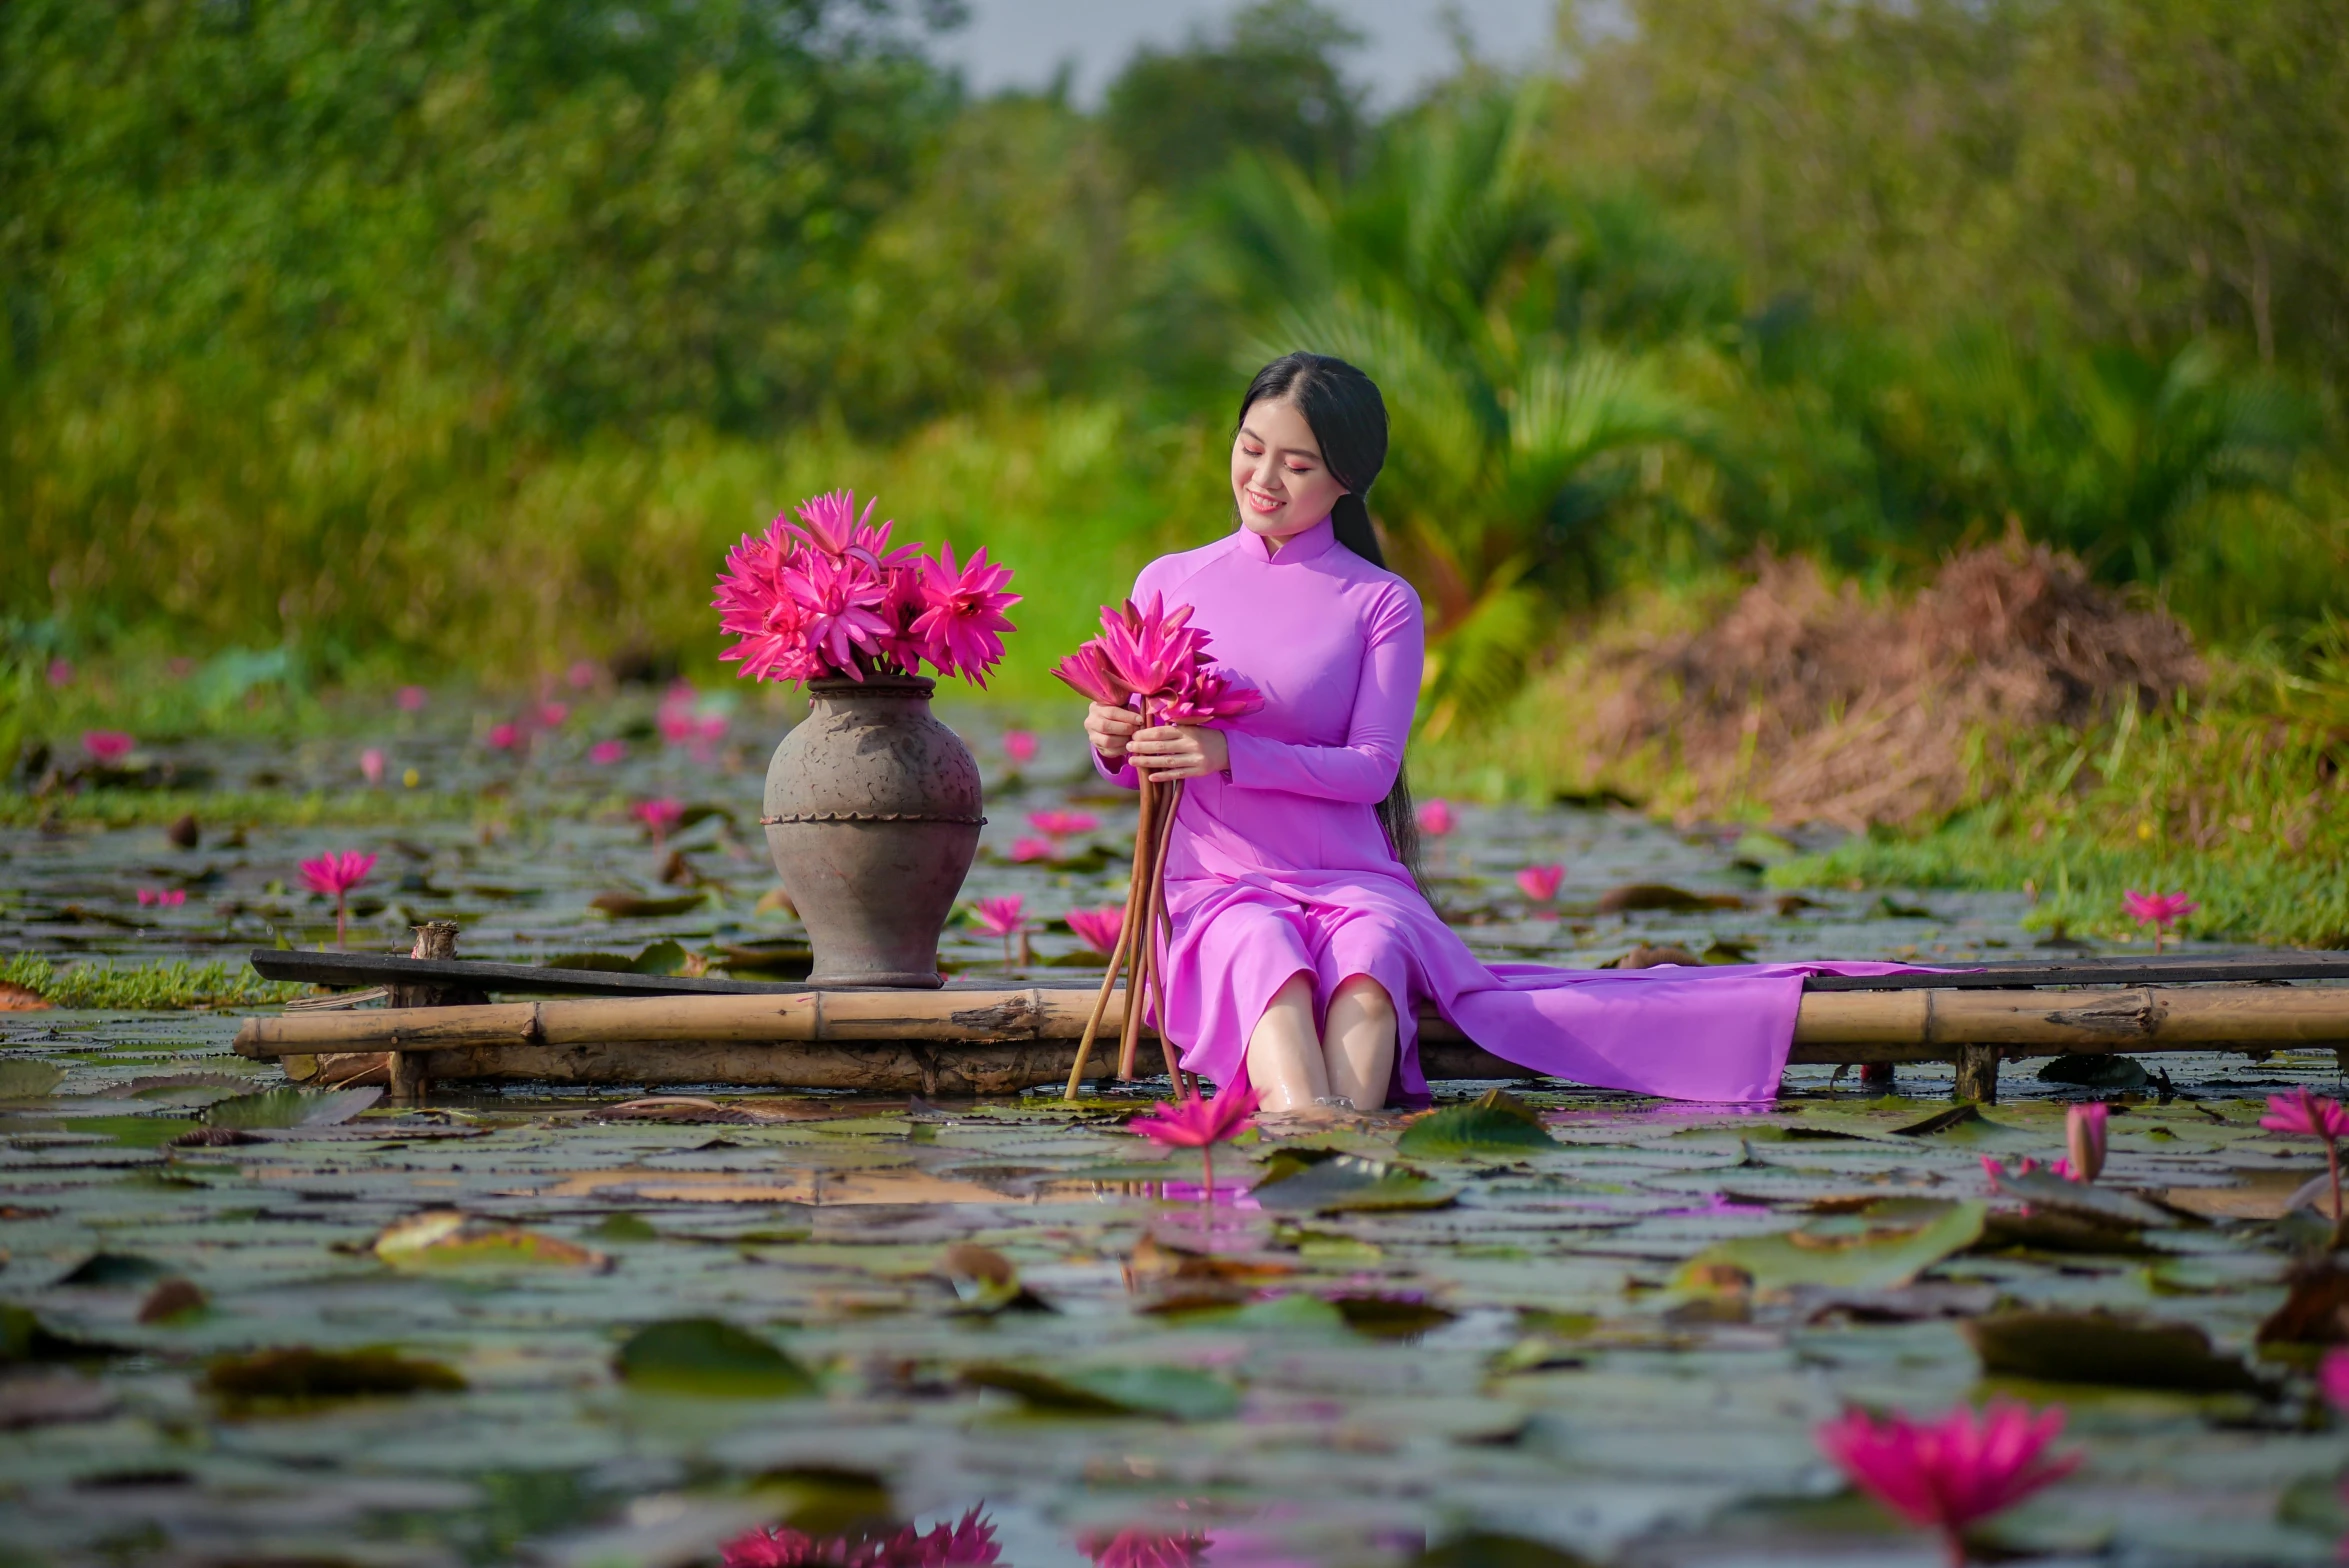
(341, 906)
(1955, 1544)
(2333, 1166)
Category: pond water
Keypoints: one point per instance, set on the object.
(667, 1321)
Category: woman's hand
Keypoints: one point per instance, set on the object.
(1179, 751)
(1110, 729)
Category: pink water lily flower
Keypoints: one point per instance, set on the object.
(1196, 1123)
(1026, 849)
(2332, 1376)
(606, 752)
(1020, 747)
(60, 673)
(968, 1543)
(2084, 1137)
(504, 737)
(1056, 823)
(841, 597)
(1436, 817)
(658, 816)
(583, 674)
(677, 723)
(371, 765)
(107, 746)
(1539, 883)
(166, 898)
(2158, 910)
(335, 874)
(1005, 917)
(552, 714)
(2304, 1115)
(1153, 649)
(1089, 673)
(1952, 1473)
(1209, 697)
(410, 699)
(1098, 929)
(962, 622)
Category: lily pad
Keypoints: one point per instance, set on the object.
(1887, 1243)
(1496, 1123)
(23, 1080)
(660, 958)
(297, 1374)
(1321, 1181)
(709, 1358)
(451, 1239)
(102, 1269)
(2107, 1348)
(1176, 1393)
(2084, 1200)
(635, 906)
(1390, 1316)
(1633, 896)
(292, 1108)
(2117, 1073)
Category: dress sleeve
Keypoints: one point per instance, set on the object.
(1364, 768)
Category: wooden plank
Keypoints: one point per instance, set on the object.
(364, 969)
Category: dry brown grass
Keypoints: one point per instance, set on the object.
(1814, 702)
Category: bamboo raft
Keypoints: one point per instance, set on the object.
(974, 1039)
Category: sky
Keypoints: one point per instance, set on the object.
(1021, 43)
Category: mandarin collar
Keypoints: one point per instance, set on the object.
(1302, 547)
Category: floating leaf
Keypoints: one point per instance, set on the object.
(292, 1108)
(709, 1358)
(50, 1398)
(2109, 1348)
(24, 1337)
(1177, 1393)
(1633, 896)
(2315, 1310)
(2084, 1200)
(452, 1239)
(103, 1269)
(1484, 1549)
(24, 1080)
(1322, 1181)
(2113, 1073)
(635, 906)
(1885, 1244)
(1496, 1123)
(985, 1282)
(297, 1374)
(665, 957)
(172, 1299)
(1390, 1316)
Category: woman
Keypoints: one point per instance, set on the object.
(1301, 944)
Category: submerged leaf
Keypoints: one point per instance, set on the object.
(710, 1358)
(292, 1108)
(1497, 1123)
(2109, 1348)
(1885, 1244)
(297, 1374)
(1323, 1182)
(1177, 1393)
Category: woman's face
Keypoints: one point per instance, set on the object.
(1279, 482)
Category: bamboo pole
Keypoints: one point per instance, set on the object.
(1832, 1026)
(1122, 950)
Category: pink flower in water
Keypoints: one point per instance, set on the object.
(2158, 910)
(1436, 818)
(166, 898)
(1004, 916)
(107, 746)
(2332, 1376)
(677, 723)
(659, 816)
(1098, 929)
(1025, 849)
(371, 765)
(1196, 1123)
(552, 714)
(1539, 883)
(710, 727)
(335, 874)
(504, 737)
(2304, 1115)
(1146, 1548)
(2084, 1137)
(583, 674)
(410, 699)
(1952, 1473)
(606, 752)
(968, 1543)
(60, 673)
(1020, 747)
(1056, 823)
(962, 622)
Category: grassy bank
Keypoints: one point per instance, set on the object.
(145, 987)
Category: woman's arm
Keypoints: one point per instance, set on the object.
(1364, 768)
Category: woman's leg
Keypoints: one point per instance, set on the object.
(1358, 1045)
(1284, 1057)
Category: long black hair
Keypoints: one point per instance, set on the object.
(1349, 419)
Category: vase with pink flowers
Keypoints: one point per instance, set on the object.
(872, 806)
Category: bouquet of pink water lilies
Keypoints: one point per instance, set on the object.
(828, 596)
(1150, 658)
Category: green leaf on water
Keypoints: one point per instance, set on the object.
(2119, 1350)
(1498, 1123)
(709, 1358)
(1177, 1393)
(292, 1108)
(23, 1080)
(102, 1269)
(451, 1239)
(1320, 1181)
(665, 957)
(1887, 1243)
(297, 1374)
(2108, 1206)
(635, 906)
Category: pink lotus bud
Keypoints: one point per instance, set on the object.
(2084, 1137)
(371, 765)
(1020, 747)
(606, 752)
(410, 699)
(1436, 818)
(582, 674)
(1541, 883)
(107, 746)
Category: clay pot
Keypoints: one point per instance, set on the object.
(873, 818)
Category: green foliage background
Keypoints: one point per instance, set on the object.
(424, 337)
